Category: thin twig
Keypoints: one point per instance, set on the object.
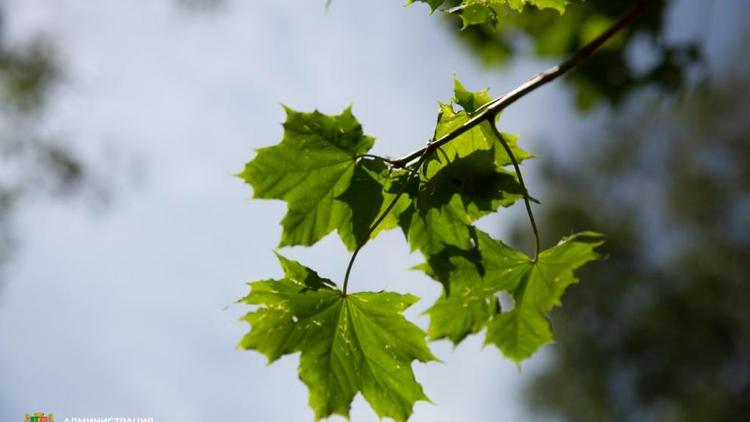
(490, 110)
(382, 217)
(526, 197)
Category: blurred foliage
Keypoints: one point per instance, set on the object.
(31, 162)
(609, 75)
(25, 74)
(661, 331)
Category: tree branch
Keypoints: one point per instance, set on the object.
(490, 110)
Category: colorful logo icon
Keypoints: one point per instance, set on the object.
(39, 417)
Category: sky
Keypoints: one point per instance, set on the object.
(130, 312)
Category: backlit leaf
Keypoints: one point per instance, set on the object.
(478, 12)
(349, 344)
(316, 170)
(473, 278)
(462, 181)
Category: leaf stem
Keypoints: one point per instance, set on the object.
(491, 109)
(526, 197)
(380, 219)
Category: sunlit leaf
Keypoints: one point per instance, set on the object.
(474, 277)
(315, 169)
(524, 329)
(478, 12)
(349, 344)
(462, 181)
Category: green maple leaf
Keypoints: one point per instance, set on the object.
(316, 170)
(523, 330)
(349, 343)
(480, 137)
(458, 193)
(471, 279)
(463, 180)
(478, 12)
(477, 275)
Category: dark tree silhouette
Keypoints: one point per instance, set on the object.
(660, 331)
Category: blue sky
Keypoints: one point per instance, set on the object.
(127, 313)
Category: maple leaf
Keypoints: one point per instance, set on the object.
(478, 12)
(474, 277)
(463, 180)
(458, 193)
(480, 137)
(349, 343)
(523, 330)
(316, 164)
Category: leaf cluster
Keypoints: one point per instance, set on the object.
(609, 77)
(360, 342)
(479, 12)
